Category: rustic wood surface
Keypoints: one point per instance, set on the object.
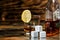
(56, 37)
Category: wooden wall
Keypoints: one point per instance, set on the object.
(37, 7)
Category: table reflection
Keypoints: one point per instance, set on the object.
(34, 38)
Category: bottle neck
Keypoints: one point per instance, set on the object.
(52, 5)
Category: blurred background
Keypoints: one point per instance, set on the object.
(11, 25)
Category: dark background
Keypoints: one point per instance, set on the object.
(11, 8)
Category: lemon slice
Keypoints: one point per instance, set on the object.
(26, 16)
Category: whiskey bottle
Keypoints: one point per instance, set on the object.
(51, 18)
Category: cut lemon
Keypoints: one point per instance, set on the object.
(26, 16)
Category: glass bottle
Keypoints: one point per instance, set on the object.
(48, 20)
(51, 19)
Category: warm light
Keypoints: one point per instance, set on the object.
(53, 1)
(26, 16)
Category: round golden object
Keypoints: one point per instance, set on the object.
(26, 16)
